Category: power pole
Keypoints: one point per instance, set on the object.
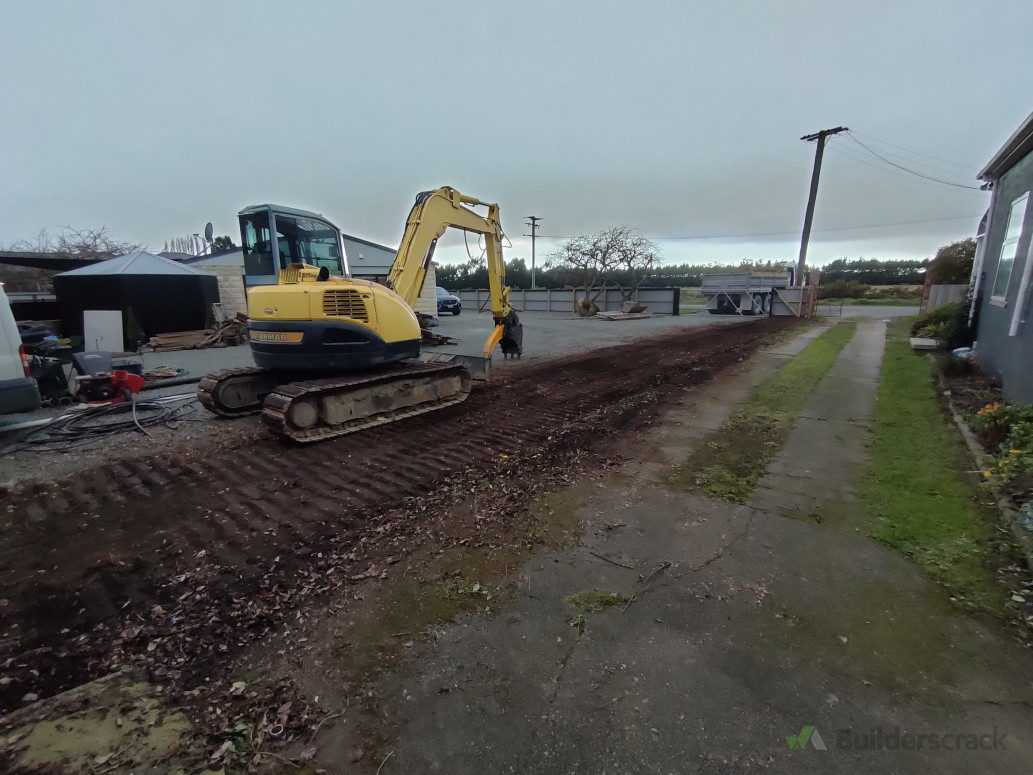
(818, 151)
(532, 221)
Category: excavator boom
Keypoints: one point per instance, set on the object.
(434, 213)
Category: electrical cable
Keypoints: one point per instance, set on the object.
(916, 153)
(905, 169)
(926, 166)
(81, 426)
(132, 398)
(790, 233)
(866, 162)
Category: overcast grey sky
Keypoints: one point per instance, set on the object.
(680, 118)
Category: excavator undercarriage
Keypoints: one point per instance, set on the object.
(323, 407)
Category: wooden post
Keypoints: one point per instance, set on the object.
(815, 173)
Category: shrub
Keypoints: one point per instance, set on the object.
(843, 289)
(936, 319)
(134, 335)
(956, 331)
(893, 292)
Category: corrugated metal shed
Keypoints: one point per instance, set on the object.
(164, 295)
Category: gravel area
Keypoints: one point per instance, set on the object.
(546, 336)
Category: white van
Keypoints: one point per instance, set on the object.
(18, 391)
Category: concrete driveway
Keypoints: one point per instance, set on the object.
(773, 636)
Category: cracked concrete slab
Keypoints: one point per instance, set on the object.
(707, 408)
(743, 627)
(824, 451)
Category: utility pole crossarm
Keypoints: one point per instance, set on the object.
(819, 150)
(825, 132)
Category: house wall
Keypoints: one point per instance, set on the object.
(1006, 357)
(231, 287)
(366, 260)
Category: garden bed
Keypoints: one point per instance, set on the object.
(1000, 436)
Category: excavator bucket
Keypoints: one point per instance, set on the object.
(509, 335)
(512, 342)
(479, 368)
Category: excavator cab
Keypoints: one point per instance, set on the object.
(274, 237)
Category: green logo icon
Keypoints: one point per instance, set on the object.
(808, 733)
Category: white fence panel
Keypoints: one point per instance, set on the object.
(659, 301)
(943, 294)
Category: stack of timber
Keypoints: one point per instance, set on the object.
(224, 334)
(623, 315)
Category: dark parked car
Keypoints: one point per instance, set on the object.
(448, 303)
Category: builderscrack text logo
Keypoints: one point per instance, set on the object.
(878, 739)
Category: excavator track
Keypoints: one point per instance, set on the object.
(323, 408)
(237, 392)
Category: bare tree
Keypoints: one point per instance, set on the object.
(86, 244)
(606, 257)
(95, 244)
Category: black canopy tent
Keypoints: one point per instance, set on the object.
(165, 296)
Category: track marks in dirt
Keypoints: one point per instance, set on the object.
(123, 525)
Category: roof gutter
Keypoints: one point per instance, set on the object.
(1016, 147)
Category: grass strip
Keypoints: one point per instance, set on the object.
(731, 460)
(915, 302)
(913, 492)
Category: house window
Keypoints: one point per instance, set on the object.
(1009, 247)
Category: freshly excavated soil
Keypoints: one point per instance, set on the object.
(174, 561)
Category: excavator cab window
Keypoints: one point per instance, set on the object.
(258, 246)
(308, 241)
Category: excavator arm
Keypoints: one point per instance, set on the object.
(434, 213)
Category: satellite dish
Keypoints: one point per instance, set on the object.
(209, 231)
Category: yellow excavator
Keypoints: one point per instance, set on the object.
(337, 354)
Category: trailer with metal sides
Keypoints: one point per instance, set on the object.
(745, 293)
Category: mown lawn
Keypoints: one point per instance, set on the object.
(920, 493)
(730, 462)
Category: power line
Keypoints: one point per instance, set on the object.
(910, 171)
(685, 238)
(916, 153)
(871, 152)
(937, 168)
(874, 165)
